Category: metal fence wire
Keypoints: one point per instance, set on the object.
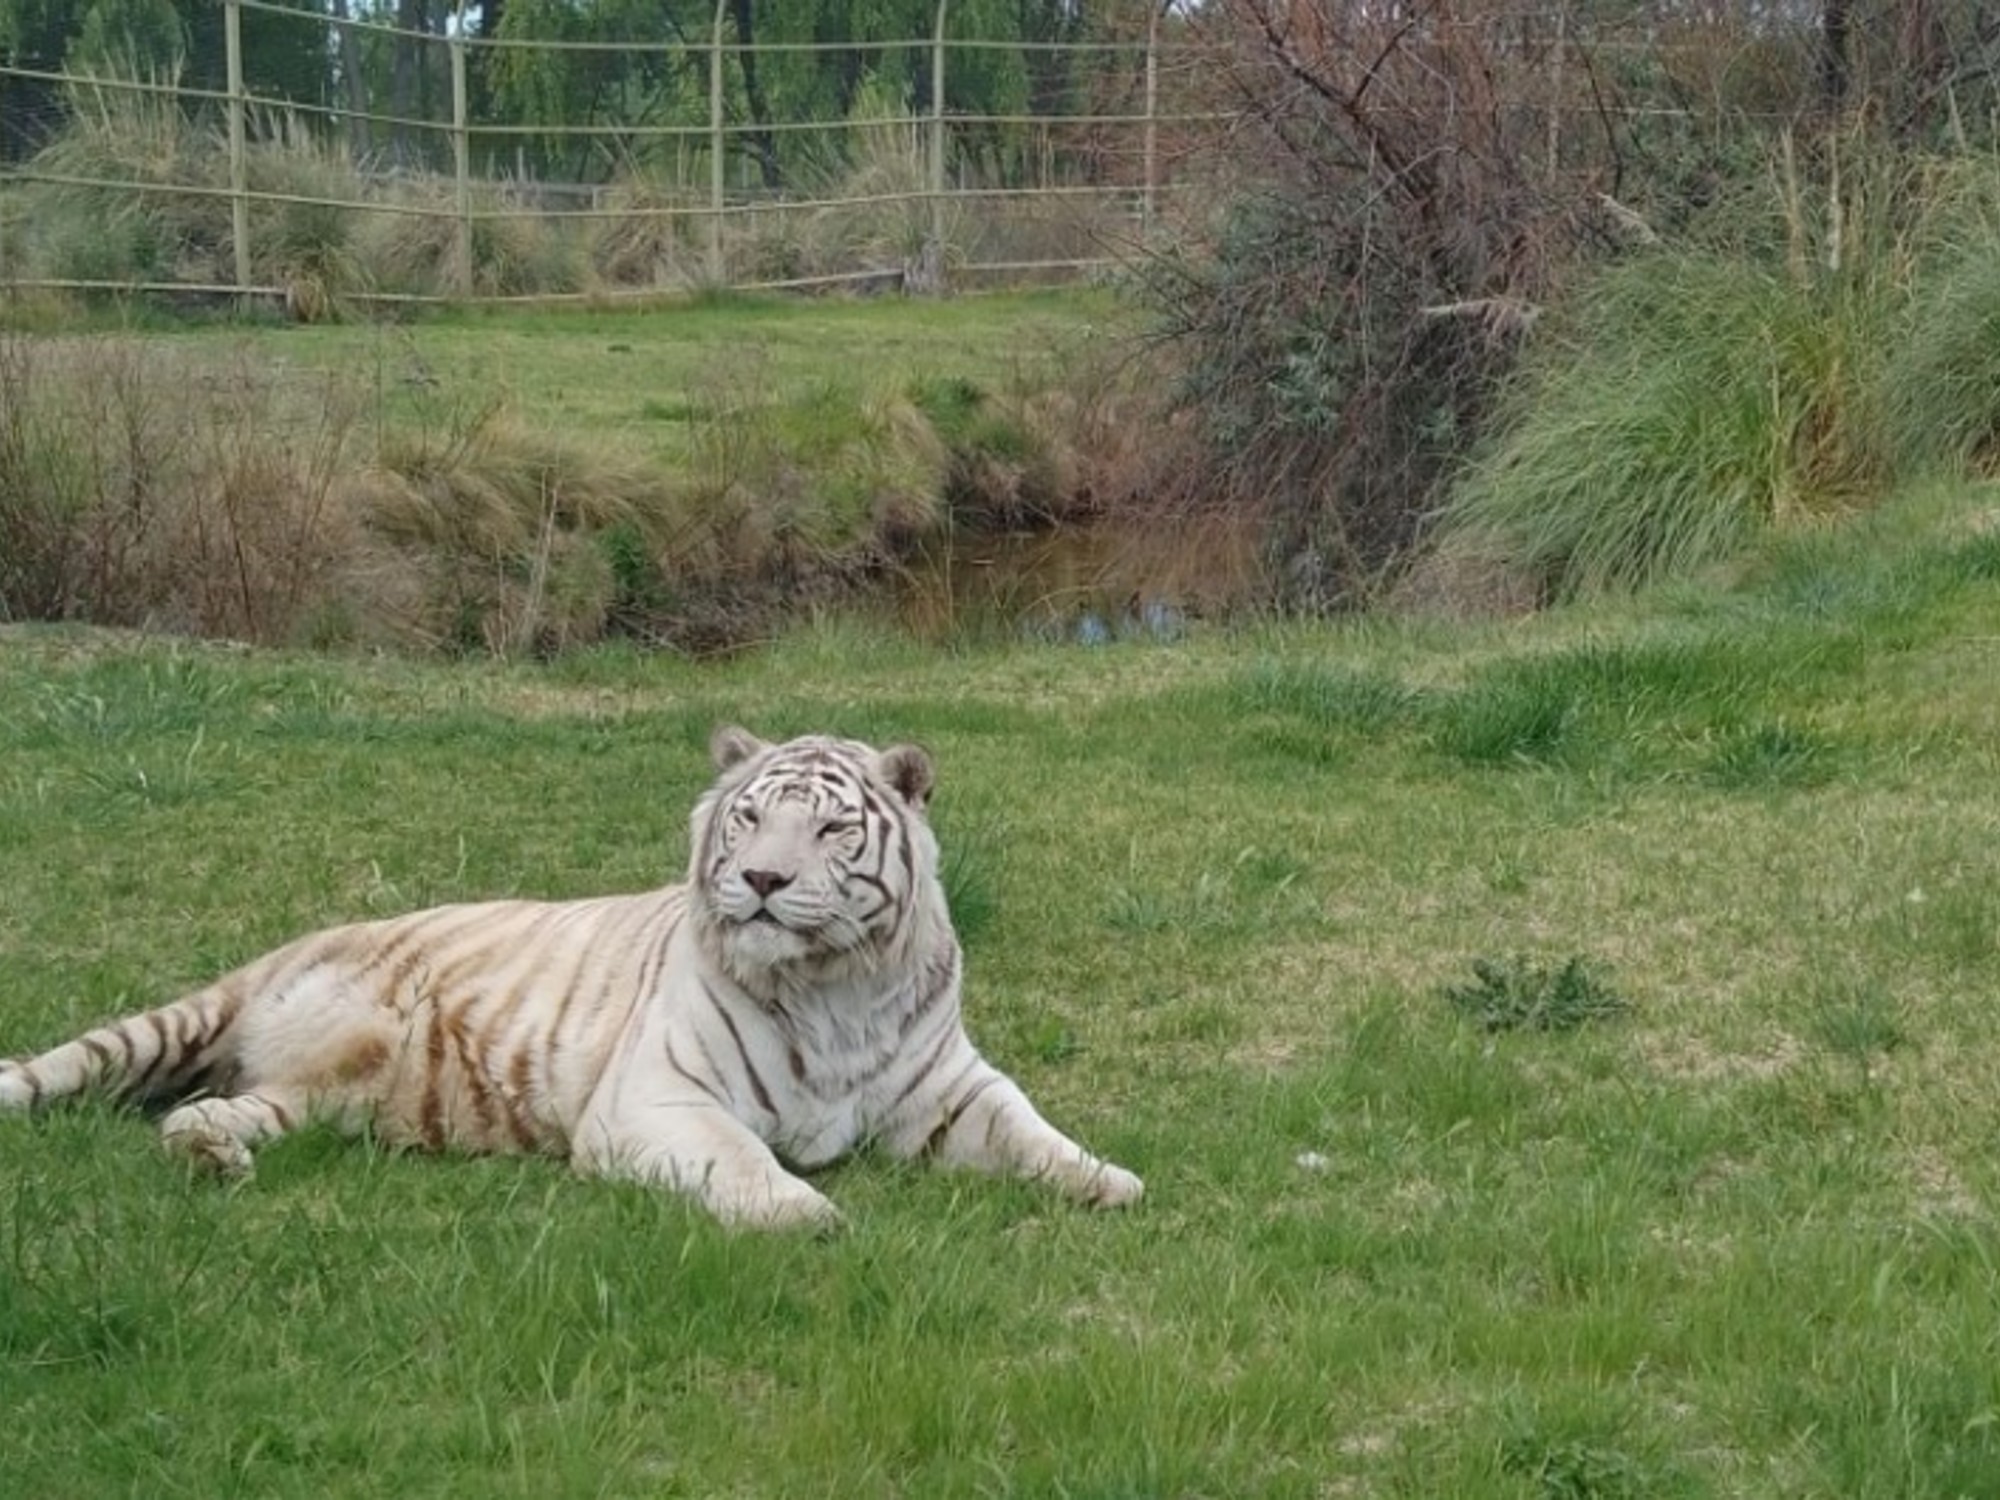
(414, 165)
(311, 151)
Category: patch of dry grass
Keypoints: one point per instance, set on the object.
(463, 489)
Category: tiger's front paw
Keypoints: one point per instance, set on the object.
(208, 1148)
(1106, 1186)
(782, 1206)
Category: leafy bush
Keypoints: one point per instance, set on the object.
(1318, 392)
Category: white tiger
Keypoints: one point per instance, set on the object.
(797, 996)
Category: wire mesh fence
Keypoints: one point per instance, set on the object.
(319, 150)
(309, 154)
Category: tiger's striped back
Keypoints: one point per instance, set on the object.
(482, 1026)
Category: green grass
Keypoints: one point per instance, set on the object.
(643, 379)
(1691, 401)
(1736, 1240)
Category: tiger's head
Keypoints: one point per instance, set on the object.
(814, 855)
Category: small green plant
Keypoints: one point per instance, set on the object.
(1519, 715)
(1772, 754)
(1522, 994)
(1053, 1040)
(1575, 1470)
(966, 867)
(1328, 695)
(1859, 1020)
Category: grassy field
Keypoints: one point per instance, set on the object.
(1408, 1231)
(640, 379)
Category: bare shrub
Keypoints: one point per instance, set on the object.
(141, 487)
(1395, 219)
(45, 487)
(267, 547)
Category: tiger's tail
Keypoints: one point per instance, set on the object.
(158, 1052)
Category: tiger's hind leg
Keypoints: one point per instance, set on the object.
(217, 1134)
(18, 1090)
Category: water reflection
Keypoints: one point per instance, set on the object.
(1090, 585)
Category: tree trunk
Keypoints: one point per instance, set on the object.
(761, 142)
(403, 65)
(1834, 62)
(352, 84)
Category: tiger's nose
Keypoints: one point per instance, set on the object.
(763, 882)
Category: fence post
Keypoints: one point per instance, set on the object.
(1556, 88)
(1151, 161)
(718, 271)
(239, 166)
(461, 158)
(6, 171)
(931, 275)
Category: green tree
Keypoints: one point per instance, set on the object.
(283, 58)
(645, 81)
(879, 44)
(128, 38)
(34, 34)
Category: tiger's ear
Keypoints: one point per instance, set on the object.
(907, 768)
(730, 745)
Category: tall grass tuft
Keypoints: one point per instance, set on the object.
(649, 242)
(302, 236)
(882, 156)
(128, 130)
(128, 146)
(410, 246)
(1942, 382)
(508, 528)
(1693, 400)
(1690, 397)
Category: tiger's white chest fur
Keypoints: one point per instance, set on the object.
(813, 1073)
(848, 1067)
